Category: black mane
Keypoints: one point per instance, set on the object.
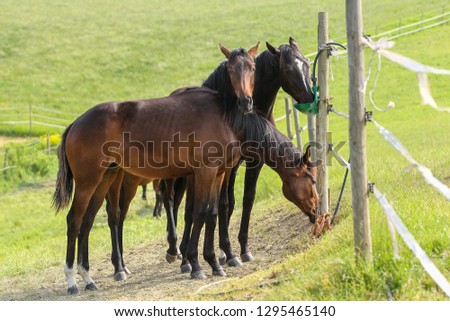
(255, 130)
(266, 65)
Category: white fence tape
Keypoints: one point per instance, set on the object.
(394, 221)
(428, 265)
(381, 47)
(426, 172)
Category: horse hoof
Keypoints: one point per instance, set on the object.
(198, 275)
(186, 268)
(73, 290)
(247, 257)
(219, 272)
(120, 276)
(127, 271)
(171, 258)
(234, 262)
(222, 258)
(91, 287)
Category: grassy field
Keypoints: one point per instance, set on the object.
(67, 57)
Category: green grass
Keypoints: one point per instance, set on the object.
(70, 56)
(32, 236)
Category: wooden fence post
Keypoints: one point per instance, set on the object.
(312, 135)
(298, 130)
(357, 131)
(322, 117)
(288, 118)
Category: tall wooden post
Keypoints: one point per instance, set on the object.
(298, 130)
(322, 117)
(357, 131)
(312, 135)
(288, 118)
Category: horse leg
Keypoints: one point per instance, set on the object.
(128, 190)
(204, 186)
(88, 221)
(83, 193)
(159, 198)
(231, 198)
(189, 207)
(251, 177)
(179, 189)
(144, 192)
(228, 203)
(226, 254)
(211, 220)
(113, 210)
(208, 245)
(172, 251)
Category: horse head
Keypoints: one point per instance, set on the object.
(241, 69)
(300, 188)
(294, 71)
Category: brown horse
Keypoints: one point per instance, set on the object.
(184, 134)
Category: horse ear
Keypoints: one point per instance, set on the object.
(293, 43)
(253, 51)
(306, 159)
(274, 51)
(225, 51)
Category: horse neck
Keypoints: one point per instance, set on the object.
(282, 165)
(267, 83)
(275, 150)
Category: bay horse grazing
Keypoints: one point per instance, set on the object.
(159, 138)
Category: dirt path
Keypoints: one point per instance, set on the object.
(153, 278)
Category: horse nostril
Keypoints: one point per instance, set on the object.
(245, 104)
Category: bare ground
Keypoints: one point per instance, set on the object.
(272, 238)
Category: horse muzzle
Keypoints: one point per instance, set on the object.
(245, 104)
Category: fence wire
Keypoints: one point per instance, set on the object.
(428, 265)
(426, 172)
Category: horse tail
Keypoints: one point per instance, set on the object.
(64, 180)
